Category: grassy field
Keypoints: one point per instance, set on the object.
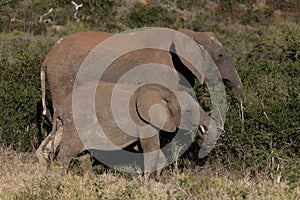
(21, 177)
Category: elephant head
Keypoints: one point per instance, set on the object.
(216, 50)
(154, 104)
(178, 109)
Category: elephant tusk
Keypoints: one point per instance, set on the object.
(202, 132)
(202, 129)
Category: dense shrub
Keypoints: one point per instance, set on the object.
(254, 16)
(284, 4)
(25, 15)
(184, 4)
(151, 16)
(265, 139)
(20, 61)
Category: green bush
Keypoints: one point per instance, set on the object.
(232, 5)
(265, 139)
(151, 16)
(255, 16)
(25, 15)
(184, 4)
(284, 4)
(20, 61)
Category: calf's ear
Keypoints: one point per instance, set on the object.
(154, 109)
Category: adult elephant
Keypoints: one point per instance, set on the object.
(65, 58)
(101, 122)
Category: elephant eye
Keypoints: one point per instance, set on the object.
(220, 55)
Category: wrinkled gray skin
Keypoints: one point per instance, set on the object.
(186, 115)
(63, 61)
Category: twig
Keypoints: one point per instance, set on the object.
(242, 114)
(44, 15)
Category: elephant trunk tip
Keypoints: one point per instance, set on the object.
(239, 88)
(235, 85)
(239, 92)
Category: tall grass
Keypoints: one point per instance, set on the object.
(21, 177)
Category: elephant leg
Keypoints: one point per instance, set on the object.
(53, 132)
(56, 138)
(151, 151)
(47, 147)
(162, 160)
(65, 155)
(41, 154)
(70, 146)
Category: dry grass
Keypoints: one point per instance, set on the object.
(21, 177)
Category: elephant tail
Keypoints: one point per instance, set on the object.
(43, 88)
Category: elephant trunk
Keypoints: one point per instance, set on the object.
(229, 75)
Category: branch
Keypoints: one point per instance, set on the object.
(44, 15)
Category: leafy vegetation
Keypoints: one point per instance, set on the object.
(262, 138)
(265, 138)
(21, 57)
(151, 16)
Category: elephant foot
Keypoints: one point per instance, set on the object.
(156, 175)
(42, 157)
(154, 165)
(43, 153)
(48, 147)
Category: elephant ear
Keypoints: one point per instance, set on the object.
(188, 65)
(154, 107)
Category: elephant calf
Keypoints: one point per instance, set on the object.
(110, 117)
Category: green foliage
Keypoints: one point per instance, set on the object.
(283, 45)
(151, 16)
(25, 15)
(20, 62)
(254, 16)
(205, 21)
(265, 138)
(184, 4)
(284, 4)
(232, 5)
(96, 12)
